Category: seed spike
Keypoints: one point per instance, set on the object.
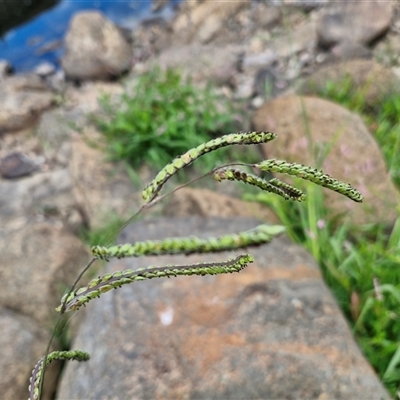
(150, 191)
(107, 282)
(187, 245)
(312, 175)
(286, 191)
(37, 371)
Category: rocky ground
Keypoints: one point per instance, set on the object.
(271, 332)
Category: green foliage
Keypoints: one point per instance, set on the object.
(160, 117)
(361, 266)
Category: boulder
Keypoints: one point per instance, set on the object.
(271, 331)
(308, 124)
(204, 63)
(22, 99)
(37, 262)
(102, 189)
(33, 197)
(368, 77)
(95, 48)
(358, 21)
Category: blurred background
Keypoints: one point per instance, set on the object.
(32, 31)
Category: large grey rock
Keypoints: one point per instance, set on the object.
(102, 190)
(28, 198)
(95, 48)
(22, 99)
(305, 125)
(368, 77)
(357, 21)
(37, 262)
(271, 331)
(204, 63)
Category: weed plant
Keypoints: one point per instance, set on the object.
(75, 298)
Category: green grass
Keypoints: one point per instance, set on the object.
(161, 117)
(362, 268)
(361, 265)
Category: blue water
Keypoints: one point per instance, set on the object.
(40, 39)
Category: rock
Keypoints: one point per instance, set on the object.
(306, 5)
(33, 197)
(95, 48)
(158, 5)
(367, 76)
(84, 100)
(38, 261)
(266, 17)
(348, 50)
(202, 22)
(272, 331)
(299, 38)
(188, 202)
(16, 165)
(353, 157)
(57, 81)
(204, 63)
(22, 99)
(262, 59)
(23, 343)
(358, 21)
(45, 69)
(102, 189)
(54, 131)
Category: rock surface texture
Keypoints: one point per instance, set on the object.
(271, 331)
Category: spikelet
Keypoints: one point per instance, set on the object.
(276, 186)
(152, 189)
(292, 192)
(37, 372)
(105, 283)
(312, 175)
(187, 245)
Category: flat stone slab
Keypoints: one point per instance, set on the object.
(271, 331)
